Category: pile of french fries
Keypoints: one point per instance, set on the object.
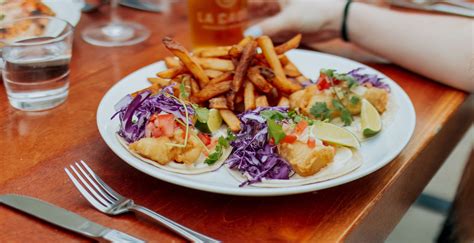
(253, 73)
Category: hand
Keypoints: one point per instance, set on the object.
(317, 20)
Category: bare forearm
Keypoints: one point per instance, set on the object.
(439, 47)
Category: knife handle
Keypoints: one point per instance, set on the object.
(116, 236)
(180, 229)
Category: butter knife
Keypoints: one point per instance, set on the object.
(65, 219)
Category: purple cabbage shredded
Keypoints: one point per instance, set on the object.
(253, 155)
(134, 113)
(368, 78)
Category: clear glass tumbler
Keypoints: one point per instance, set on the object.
(36, 54)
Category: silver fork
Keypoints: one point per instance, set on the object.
(108, 201)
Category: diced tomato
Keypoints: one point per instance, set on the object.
(272, 141)
(212, 144)
(290, 138)
(301, 126)
(336, 81)
(325, 144)
(206, 139)
(323, 82)
(311, 142)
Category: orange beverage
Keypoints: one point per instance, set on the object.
(217, 22)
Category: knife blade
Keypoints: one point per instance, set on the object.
(65, 219)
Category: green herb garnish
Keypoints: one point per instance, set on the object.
(182, 91)
(275, 131)
(222, 142)
(346, 116)
(328, 72)
(320, 110)
(354, 100)
(273, 115)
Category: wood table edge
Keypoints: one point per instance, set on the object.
(363, 230)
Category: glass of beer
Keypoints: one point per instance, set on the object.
(217, 22)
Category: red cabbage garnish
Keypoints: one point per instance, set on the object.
(372, 79)
(135, 113)
(253, 155)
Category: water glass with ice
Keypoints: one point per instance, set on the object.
(36, 54)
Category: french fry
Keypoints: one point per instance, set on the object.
(211, 91)
(261, 101)
(239, 97)
(183, 55)
(230, 119)
(235, 51)
(291, 70)
(219, 102)
(290, 44)
(242, 67)
(302, 79)
(154, 88)
(227, 76)
(283, 60)
(280, 81)
(171, 72)
(256, 78)
(245, 40)
(194, 87)
(216, 64)
(172, 62)
(284, 102)
(219, 51)
(159, 81)
(212, 73)
(249, 96)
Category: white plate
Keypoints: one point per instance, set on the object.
(69, 10)
(376, 152)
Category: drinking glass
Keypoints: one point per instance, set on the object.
(115, 32)
(217, 22)
(35, 58)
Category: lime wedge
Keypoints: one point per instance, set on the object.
(213, 123)
(334, 134)
(370, 119)
(215, 120)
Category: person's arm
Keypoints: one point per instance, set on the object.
(440, 47)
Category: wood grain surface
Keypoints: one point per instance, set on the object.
(36, 146)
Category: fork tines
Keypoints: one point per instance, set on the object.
(92, 188)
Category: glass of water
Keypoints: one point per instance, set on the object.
(36, 54)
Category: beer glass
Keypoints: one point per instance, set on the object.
(217, 22)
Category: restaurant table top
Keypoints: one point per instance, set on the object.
(36, 146)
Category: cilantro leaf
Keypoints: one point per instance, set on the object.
(273, 115)
(346, 115)
(182, 91)
(230, 136)
(275, 131)
(328, 72)
(215, 156)
(222, 142)
(320, 110)
(354, 100)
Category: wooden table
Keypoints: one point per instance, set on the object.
(36, 146)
